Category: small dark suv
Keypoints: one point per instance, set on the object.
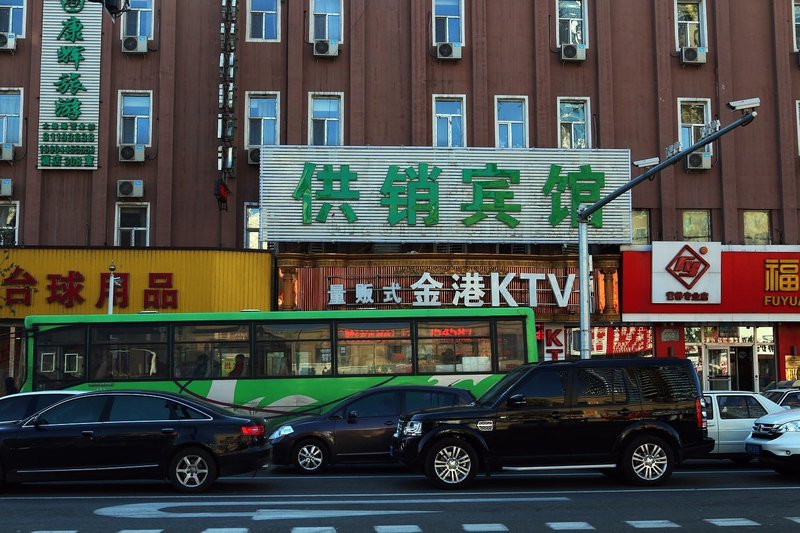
(633, 417)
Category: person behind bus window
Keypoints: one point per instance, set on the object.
(238, 367)
(201, 367)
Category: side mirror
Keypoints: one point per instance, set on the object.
(516, 400)
(352, 416)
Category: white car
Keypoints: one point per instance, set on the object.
(730, 416)
(775, 440)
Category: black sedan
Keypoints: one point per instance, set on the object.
(109, 435)
(14, 407)
(358, 429)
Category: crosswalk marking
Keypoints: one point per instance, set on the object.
(140, 531)
(484, 528)
(731, 522)
(397, 529)
(651, 524)
(569, 526)
(324, 529)
(795, 519)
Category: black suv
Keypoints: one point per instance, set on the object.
(634, 417)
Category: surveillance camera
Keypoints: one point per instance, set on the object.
(644, 163)
(744, 105)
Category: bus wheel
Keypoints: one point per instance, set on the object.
(310, 456)
(451, 464)
(192, 470)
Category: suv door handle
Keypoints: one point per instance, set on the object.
(88, 434)
(390, 423)
(167, 431)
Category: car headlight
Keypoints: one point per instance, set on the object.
(413, 429)
(789, 426)
(281, 432)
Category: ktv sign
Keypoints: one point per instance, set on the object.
(687, 272)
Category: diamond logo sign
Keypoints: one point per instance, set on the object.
(688, 266)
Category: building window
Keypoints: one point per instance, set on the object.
(447, 25)
(690, 22)
(132, 225)
(693, 116)
(12, 17)
(262, 119)
(325, 122)
(326, 20)
(573, 123)
(9, 229)
(252, 224)
(640, 226)
(511, 121)
(757, 227)
(697, 226)
(796, 13)
(134, 118)
(10, 123)
(449, 121)
(572, 22)
(264, 20)
(138, 21)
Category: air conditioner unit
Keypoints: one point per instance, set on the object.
(693, 56)
(8, 41)
(448, 50)
(326, 48)
(573, 52)
(7, 152)
(698, 160)
(133, 44)
(254, 156)
(6, 187)
(131, 153)
(130, 188)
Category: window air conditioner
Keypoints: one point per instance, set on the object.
(130, 189)
(7, 152)
(254, 156)
(326, 48)
(693, 56)
(448, 50)
(573, 52)
(131, 153)
(6, 187)
(699, 160)
(8, 41)
(133, 44)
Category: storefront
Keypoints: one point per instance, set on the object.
(733, 310)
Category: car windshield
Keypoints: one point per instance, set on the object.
(775, 396)
(494, 392)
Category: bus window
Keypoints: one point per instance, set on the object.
(510, 344)
(373, 348)
(454, 346)
(295, 348)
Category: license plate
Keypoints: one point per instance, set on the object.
(753, 449)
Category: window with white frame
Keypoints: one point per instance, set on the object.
(511, 121)
(138, 20)
(325, 126)
(12, 17)
(264, 20)
(9, 223)
(449, 120)
(756, 227)
(640, 226)
(796, 18)
(573, 123)
(326, 20)
(262, 119)
(10, 118)
(135, 112)
(697, 225)
(693, 116)
(448, 26)
(132, 225)
(571, 22)
(690, 23)
(252, 223)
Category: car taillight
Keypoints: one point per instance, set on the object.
(698, 412)
(253, 431)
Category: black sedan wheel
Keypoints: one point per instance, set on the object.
(647, 461)
(310, 456)
(451, 464)
(192, 470)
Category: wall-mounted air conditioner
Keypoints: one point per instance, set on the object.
(693, 56)
(254, 156)
(130, 188)
(131, 153)
(326, 48)
(573, 52)
(448, 50)
(6, 152)
(8, 41)
(699, 160)
(6, 187)
(133, 44)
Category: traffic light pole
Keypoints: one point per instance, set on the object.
(585, 215)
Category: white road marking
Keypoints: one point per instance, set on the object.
(795, 519)
(281, 514)
(484, 528)
(397, 529)
(731, 522)
(226, 530)
(323, 529)
(569, 526)
(651, 524)
(143, 531)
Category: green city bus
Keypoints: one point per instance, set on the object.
(277, 364)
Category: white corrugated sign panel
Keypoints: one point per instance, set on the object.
(69, 95)
(493, 207)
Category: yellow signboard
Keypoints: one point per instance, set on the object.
(77, 281)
